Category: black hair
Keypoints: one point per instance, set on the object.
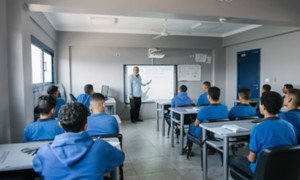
(266, 87)
(207, 84)
(214, 93)
(97, 97)
(73, 117)
(296, 96)
(245, 93)
(52, 89)
(45, 104)
(272, 101)
(183, 88)
(289, 86)
(88, 89)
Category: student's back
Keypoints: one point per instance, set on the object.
(212, 111)
(181, 99)
(84, 99)
(102, 123)
(293, 117)
(242, 110)
(76, 156)
(59, 103)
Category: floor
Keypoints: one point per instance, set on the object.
(150, 156)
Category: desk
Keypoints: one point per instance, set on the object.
(161, 106)
(182, 111)
(112, 104)
(225, 135)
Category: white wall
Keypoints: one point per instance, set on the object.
(279, 62)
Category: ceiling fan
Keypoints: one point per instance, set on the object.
(164, 31)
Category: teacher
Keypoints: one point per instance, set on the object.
(135, 94)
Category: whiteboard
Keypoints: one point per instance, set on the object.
(189, 72)
(163, 85)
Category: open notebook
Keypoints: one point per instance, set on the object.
(235, 128)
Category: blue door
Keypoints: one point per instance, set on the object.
(249, 72)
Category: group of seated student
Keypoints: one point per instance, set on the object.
(273, 131)
(74, 154)
(53, 91)
(85, 98)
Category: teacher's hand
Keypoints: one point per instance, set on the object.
(149, 82)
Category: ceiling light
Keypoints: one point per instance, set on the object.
(222, 20)
(96, 20)
(196, 25)
(226, 1)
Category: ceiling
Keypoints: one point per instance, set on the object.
(143, 25)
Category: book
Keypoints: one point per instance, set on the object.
(235, 128)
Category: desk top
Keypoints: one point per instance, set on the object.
(110, 100)
(186, 110)
(163, 101)
(217, 127)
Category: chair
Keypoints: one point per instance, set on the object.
(120, 138)
(274, 164)
(73, 98)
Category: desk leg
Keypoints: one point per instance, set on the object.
(163, 119)
(157, 116)
(181, 132)
(204, 154)
(115, 108)
(172, 130)
(225, 158)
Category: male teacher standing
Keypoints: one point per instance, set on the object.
(135, 94)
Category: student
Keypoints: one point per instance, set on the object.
(99, 122)
(272, 132)
(74, 154)
(214, 110)
(286, 89)
(203, 99)
(85, 98)
(265, 88)
(292, 102)
(244, 109)
(181, 99)
(53, 91)
(46, 127)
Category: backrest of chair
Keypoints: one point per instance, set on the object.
(279, 163)
(246, 118)
(217, 120)
(73, 98)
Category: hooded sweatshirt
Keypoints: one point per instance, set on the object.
(76, 156)
(181, 99)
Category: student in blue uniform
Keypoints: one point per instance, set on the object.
(85, 98)
(244, 109)
(286, 89)
(203, 99)
(292, 102)
(46, 127)
(265, 88)
(182, 98)
(272, 132)
(99, 122)
(53, 91)
(74, 154)
(213, 111)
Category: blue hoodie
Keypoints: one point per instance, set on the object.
(76, 156)
(84, 99)
(181, 99)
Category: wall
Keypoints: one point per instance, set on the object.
(90, 52)
(279, 61)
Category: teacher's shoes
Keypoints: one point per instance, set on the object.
(133, 120)
(139, 120)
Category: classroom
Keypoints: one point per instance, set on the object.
(210, 34)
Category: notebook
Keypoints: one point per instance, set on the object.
(235, 128)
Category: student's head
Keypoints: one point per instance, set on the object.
(53, 90)
(244, 94)
(292, 99)
(73, 117)
(182, 88)
(265, 88)
(136, 70)
(97, 103)
(271, 102)
(46, 105)
(214, 93)
(206, 85)
(286, 88)
(88, 89)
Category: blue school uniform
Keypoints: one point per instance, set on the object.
(242, 110)
(84, 99)
(76, 156)
(45, 129)
(59, 103)
(203, 100)
(181, 99)
(293, 117)
(102, 123)
(272, 132)
(213, 111)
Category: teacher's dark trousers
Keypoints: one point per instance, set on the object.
(135, 106)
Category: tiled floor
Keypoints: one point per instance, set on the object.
(150, 156)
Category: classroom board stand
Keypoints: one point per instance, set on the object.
(189, 72)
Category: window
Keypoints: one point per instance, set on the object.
(42, 62)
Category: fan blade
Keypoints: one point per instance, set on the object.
(158, 36)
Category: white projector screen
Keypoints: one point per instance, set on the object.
(163, 85)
